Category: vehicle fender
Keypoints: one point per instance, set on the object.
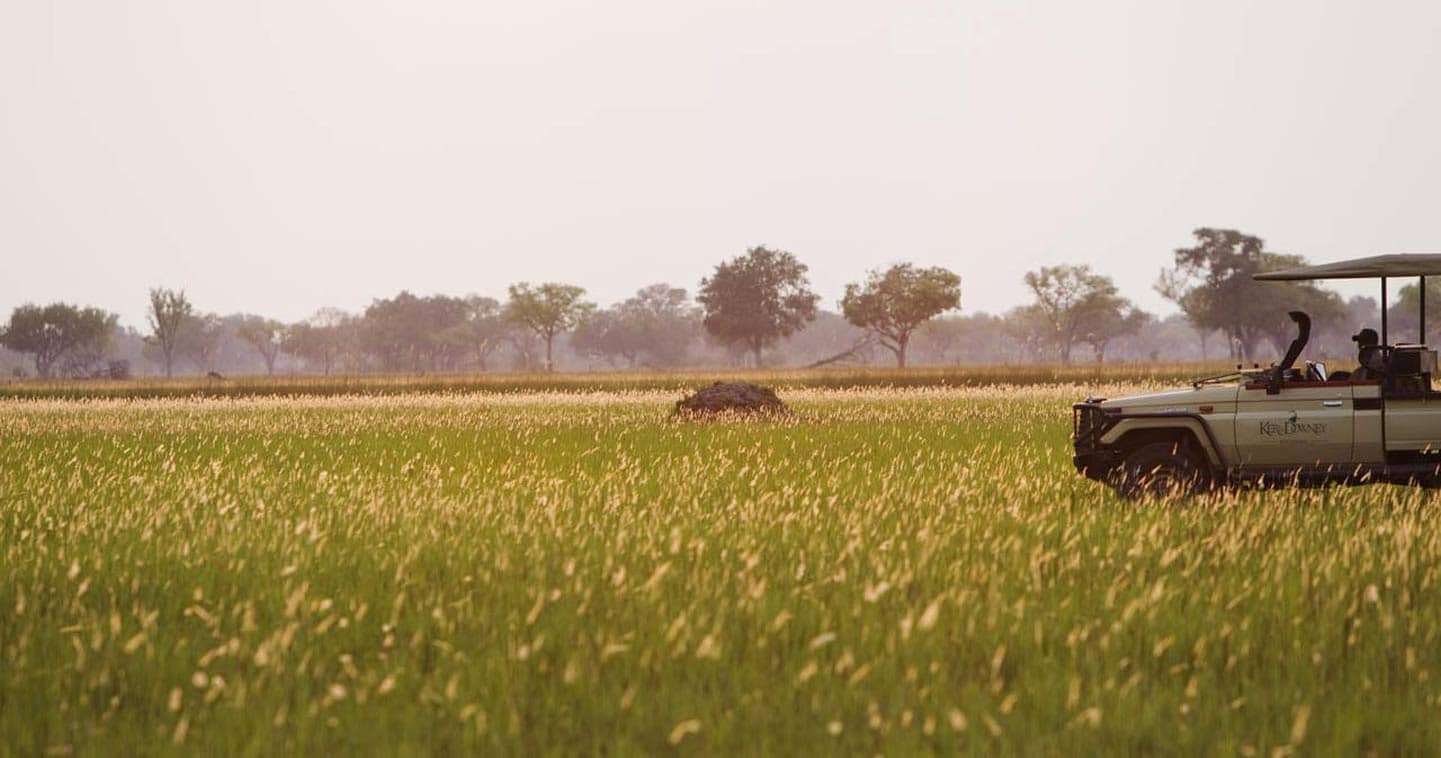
(1190, 424)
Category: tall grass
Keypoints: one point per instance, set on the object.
(889, 571)
(391, 384)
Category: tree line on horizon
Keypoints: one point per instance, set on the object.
(755, 309)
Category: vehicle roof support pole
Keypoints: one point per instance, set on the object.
(1384, 340)
(1422, 341)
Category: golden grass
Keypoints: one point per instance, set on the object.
(890, 571)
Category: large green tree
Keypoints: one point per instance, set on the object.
(547, 310)
(58, 336)
(756, 299)
(481, 331)
(411, 333)
(1073, 304)
(893, 303)
(1212, 284)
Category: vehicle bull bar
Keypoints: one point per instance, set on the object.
(1088, 422)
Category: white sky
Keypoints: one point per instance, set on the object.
(282, 155)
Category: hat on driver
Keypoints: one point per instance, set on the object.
(1365, 337)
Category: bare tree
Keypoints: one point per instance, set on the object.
(200, 340)
(169, 313)
(263, 334)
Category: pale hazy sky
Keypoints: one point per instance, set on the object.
(283, 155)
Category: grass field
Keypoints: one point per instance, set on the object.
(614, 381)
(893, 570)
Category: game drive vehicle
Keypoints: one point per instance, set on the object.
(1286, 425)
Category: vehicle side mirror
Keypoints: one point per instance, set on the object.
(1321, 371)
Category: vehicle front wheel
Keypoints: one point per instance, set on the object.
(1160, 469)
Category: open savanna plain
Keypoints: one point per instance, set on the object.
(889, 570)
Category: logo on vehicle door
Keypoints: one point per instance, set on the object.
(1291, 427)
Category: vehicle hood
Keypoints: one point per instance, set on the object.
(1186, 399)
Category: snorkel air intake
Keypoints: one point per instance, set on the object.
(1278, 372)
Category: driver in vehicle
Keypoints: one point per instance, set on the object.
(1369, 354)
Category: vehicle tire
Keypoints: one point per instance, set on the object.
(1160, 470)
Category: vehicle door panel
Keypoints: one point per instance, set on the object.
(1413, 424)
(1306, 423)
(1367, 446)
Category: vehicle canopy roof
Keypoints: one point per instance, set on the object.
(1380, 267)
(1373, 267)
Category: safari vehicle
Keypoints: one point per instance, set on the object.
(1285, 425)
